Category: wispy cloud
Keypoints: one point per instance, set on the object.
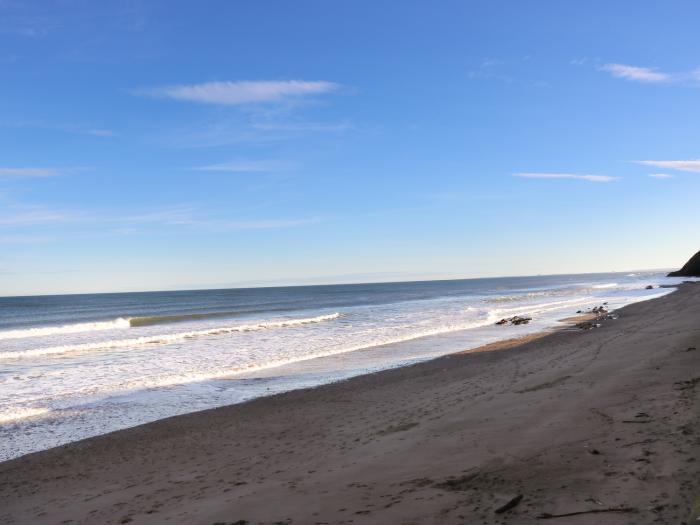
(98, 132)
(661, 175)
(296, 126)
(190, 216)
(242, 92)
(25, 173)
(589, 178)
(679, 165)
(170, 216)
(73, 128)
(266, 224)
(636, 73)
(652, 75)
(248, 127)
(40, 19)
(32, 216)
(23, 239)
(256, 166)
(488, 69)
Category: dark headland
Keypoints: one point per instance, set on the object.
(690, 269)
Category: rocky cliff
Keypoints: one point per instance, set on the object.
(691, 268)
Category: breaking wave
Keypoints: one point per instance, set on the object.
(41, 331)
(166, 319)
(19, 414)
(166, 338)
(115, 324)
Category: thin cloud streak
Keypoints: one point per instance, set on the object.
(188, 216)
(76, 129)
(649, 75)
(293, 126)
(23, 239)
(182, 216)
(661, 176)
(679, 165)
(589, 178)
(172, 216)
(31, 217)
(242, 92)
(257, 166)
(25, 173)
(268, 224)
(636, 73)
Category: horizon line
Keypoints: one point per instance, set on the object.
(241, 286)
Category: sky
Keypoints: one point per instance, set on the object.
(151, 145)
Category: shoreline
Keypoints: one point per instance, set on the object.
(397, 416)
(563, 324)
(49, 426)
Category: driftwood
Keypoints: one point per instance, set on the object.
(644, 442)
(548, 516)
(512, 503)
(686, 385)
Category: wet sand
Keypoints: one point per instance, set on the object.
(604, 420)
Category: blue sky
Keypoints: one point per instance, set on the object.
(157, 145)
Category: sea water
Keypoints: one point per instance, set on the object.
(75, 366)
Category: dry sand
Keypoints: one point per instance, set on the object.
(601, 420)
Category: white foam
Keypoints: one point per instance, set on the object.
(90, 394)
(324, 353)
(42, 331)
(163, 339)
(541, 308)
(19, 414)
(604, 286)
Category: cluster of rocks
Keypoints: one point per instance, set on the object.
(601, 314)
(517, 320)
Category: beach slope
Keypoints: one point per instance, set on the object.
(583, 427)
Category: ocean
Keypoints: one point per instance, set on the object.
(75, 366)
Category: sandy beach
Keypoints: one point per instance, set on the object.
(585, 427)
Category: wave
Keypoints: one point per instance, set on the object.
(120, 322)
(166, 319)
(484, 318)
(115, 324)
(538, 309)
(88, 395)
(18, 414)
(603, 286)
(166, 338)
(521, 297)
(206, 375)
